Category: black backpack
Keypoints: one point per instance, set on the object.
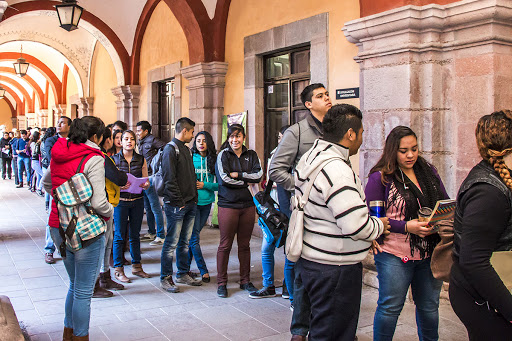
(156, 166)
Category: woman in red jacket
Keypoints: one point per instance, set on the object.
(83, 265)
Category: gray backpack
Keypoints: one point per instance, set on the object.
(156, 166)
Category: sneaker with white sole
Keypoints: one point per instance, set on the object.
(147, 236)
(264, 292)
(157, 242)
(186, 279)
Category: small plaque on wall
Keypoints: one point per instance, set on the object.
(347, 93)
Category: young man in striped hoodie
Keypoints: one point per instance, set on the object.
(338, 230)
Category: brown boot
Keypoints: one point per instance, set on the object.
(106, 282)
(137, 271)
(298, 338)
(81, 338)
(68, 334)
(100, 292)
(120, 276)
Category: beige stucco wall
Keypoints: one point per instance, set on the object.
(5, 115)
(248, 17)
(103, 79)
(243, 21)
(71, 90)
(164, 43)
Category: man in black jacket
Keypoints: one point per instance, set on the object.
(5, 149)
(148, 148)
(180, 203)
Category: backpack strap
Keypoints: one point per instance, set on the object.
(312, 179)
(81, 163)
(176, 148)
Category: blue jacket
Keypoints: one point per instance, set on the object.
(21, 144)
(206, 195)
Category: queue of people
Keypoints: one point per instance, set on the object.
(313, 156)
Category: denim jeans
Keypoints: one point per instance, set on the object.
(153, 210)
(47, 196)
(83, 268)
(49, 247)
(38, 173)
(267, 262)
(180, 223)
(194, 250)
(15, 169)
(109, 239)
(24, 165)
(6, 168)
(128, 220)
(394, 278)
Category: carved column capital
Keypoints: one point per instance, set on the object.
(127, 100)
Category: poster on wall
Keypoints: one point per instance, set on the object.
(227, 120)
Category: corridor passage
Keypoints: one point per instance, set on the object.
(143, 311)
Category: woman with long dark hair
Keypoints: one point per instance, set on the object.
(117, 145)
(483, 226)
(204, 156)
(35, 151)
(405, 182)
(236, 168)
(51, 131)
(129, 212)
(80, 149)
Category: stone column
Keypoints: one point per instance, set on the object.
(437, 69)
(43, 118)
(14, 121)
(128, 97)
(206, 95)
(22, 122)
(85, 106)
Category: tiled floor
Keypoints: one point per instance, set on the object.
(143, 311)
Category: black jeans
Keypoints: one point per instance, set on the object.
(333, 294)
(6, 168)
(481, 322)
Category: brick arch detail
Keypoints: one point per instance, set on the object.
(369, 7)
(20, 105)
(8, 82)
(30, 6)
(30, 80)
(206, 38)
(50, 76)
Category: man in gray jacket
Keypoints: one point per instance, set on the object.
(296, 141)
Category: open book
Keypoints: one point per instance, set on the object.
(444, 210)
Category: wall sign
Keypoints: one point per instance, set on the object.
(347, 93)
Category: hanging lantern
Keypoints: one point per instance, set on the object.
(21, 65)
(69, 14)
(2, 92)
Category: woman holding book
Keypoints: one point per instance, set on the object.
(405, 182)
(129, 212)
(482, 227)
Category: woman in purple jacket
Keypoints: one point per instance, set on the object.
(405, 182)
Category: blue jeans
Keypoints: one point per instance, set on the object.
(15, 169)
(395, 277)
(194, 250)
(289, 273)
(24, 165)
(109, 239)
(38, 172)
(127, 219)
(153, 210)
(267, 262)
(47, 197)
(180, 223)
(49, 247)
(83, 268)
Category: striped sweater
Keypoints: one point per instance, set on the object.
(338, 229)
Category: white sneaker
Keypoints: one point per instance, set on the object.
(148, 236)
(158, 241)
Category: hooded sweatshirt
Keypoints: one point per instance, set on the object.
(338, 229)
(206, 195)
(66, 158)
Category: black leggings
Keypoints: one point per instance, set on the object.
(481, 323)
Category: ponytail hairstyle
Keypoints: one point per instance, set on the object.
(107, 134)
(51, 131)
(233, 129)
(84, 128)
(494, 140)
(211, 152)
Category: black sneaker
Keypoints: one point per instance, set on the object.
(222, 291)
(264, 292)
(285, 293)
(249, 287)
